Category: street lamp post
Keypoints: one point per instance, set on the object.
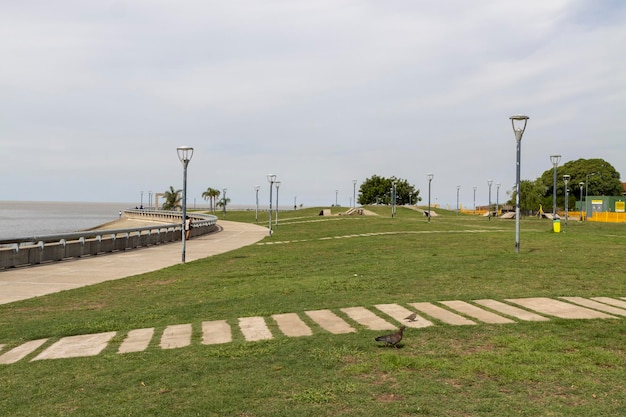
(566, 179)
(271, 178)
(458, 188)
(475, 199)
(256, 213)
(519, 132)
(141, 202)
(430, 179)
(580, 185)
(489, 183)
(587, 194)
(498, 198)
(277, 187)
(224, 201)
(150, 199)
(354, 193)
(393, 199)
(555, 163)
(184, 155)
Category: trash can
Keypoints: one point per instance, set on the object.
(556, 226)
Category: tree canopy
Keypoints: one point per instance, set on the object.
(599, 176)
(377, 190)
(172, 199)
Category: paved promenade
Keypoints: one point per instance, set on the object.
(22, 283)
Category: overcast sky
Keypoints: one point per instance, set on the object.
(95, 96)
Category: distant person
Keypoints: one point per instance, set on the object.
(187, 227)
(120, 214)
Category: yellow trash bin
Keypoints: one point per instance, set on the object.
(556, 226)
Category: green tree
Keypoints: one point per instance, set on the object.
(602, 177)
(172, 199)
(531, 195)
(377, 190)
(211, 195)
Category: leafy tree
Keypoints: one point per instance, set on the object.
(210, 195)
(172, 199)
(602, 178)
(377, 190)
(531, 195)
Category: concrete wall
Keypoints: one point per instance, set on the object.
(53, 248)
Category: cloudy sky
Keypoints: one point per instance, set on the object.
(95, 96)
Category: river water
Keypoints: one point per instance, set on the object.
(36, 218)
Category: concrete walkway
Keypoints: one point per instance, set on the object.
(22, 283)
(381, 317)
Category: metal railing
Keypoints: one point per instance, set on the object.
(50, 248)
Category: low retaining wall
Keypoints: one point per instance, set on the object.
(50, 248)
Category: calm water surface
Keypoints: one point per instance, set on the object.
(30, 218)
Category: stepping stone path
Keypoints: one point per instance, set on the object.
(342, 321)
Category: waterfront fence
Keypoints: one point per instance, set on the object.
(51, 248)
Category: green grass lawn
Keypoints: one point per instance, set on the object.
(554, 368)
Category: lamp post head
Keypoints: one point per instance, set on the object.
(581, 184)
(566, 178)
(430, 177)
(489, 182)
(271, 178)
(519, 130)
(184, 154)
(354, 182)
(458, 187)
(555, 159)
(224, 190)
(498, 185)
(257, 187)
(277, 184)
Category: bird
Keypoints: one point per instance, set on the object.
(411, 317)
(392, 338)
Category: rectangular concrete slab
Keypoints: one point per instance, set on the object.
(329, 321)
(254, 328)
(292, 325)
(476, 312)
(441, 314)
(512, 311)
(368, 319)
(216, 332)
(398, 313)
(19, 352)
(136, 340)
(596, 305)
(176, 336)
(611, 301)
(558, 308)
(77, 346)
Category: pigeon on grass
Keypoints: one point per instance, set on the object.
(393, 338)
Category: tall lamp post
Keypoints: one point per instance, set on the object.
(354, 193)
(458, 188)
(555, 159)
(393, 199)
(475, 199)
(430, 179)
(141, 202)
(519, 132)
(224, 201)
(150, 199)
(498, 198)
(277, 187)
(184, 155)
(566, 179)
(489, 183)
(271, 178)
(256, 213)
(587, 193)
(581, 184)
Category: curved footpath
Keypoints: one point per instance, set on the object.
(22, 283)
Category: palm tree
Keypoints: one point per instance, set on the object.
(172, 199)
(210, 195)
